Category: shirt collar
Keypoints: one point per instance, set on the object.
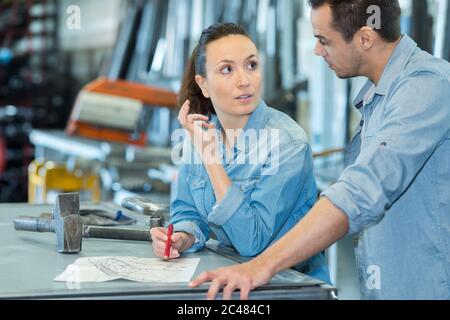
(397, 62)
(400, 57)
(258, 118)
(256, 121)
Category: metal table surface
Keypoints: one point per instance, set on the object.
(29, 262)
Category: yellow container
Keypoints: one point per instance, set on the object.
(46, 177)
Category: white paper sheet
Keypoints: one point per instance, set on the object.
(101, 269)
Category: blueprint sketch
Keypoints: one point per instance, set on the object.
(101, 269)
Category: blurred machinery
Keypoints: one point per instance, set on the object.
(32, 72)
(113, 110)
(127, 114)
(16, 152)
(34, 87)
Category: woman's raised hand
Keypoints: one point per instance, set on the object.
(202, 133)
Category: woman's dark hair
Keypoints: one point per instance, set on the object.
(351, 15)
(197, 66)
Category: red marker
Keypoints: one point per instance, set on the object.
(168, 242)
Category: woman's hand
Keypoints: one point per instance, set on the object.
(204, 141)
(181, 241)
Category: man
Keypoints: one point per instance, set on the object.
(395, 191)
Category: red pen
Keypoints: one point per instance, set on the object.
(168, 242)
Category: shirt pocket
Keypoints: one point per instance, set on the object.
(379, 164)
(197, 186)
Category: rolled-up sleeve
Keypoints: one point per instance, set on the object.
(222, 212)
(253, 220)
(416, 120)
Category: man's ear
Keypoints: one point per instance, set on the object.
(366, 37)
(201, 82)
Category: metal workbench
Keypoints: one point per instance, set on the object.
(29, 262)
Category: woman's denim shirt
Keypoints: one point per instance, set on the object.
(273, 188)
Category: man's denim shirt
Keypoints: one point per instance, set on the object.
(267, 197)
(395, 189)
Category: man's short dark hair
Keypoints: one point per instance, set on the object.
(351, 15)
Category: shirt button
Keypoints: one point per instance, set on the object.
(361, 123)
(383, 144)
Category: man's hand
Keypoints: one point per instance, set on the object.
(245, 277)
(318, 230)
(181, 241)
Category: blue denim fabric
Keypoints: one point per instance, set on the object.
(395, 189)
(265, 201)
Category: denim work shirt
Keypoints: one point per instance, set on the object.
(267, 197)
(395, 189)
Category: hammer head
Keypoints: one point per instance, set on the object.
(68, 224)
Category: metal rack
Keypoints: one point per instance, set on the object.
(34, 85)
(157, 37)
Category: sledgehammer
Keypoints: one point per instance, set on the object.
(69, 229)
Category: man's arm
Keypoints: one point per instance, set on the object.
(320, 228)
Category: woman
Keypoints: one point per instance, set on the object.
(247, 204)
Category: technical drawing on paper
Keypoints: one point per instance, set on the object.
(100, 269)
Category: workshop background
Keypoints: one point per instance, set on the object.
(56, 57)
